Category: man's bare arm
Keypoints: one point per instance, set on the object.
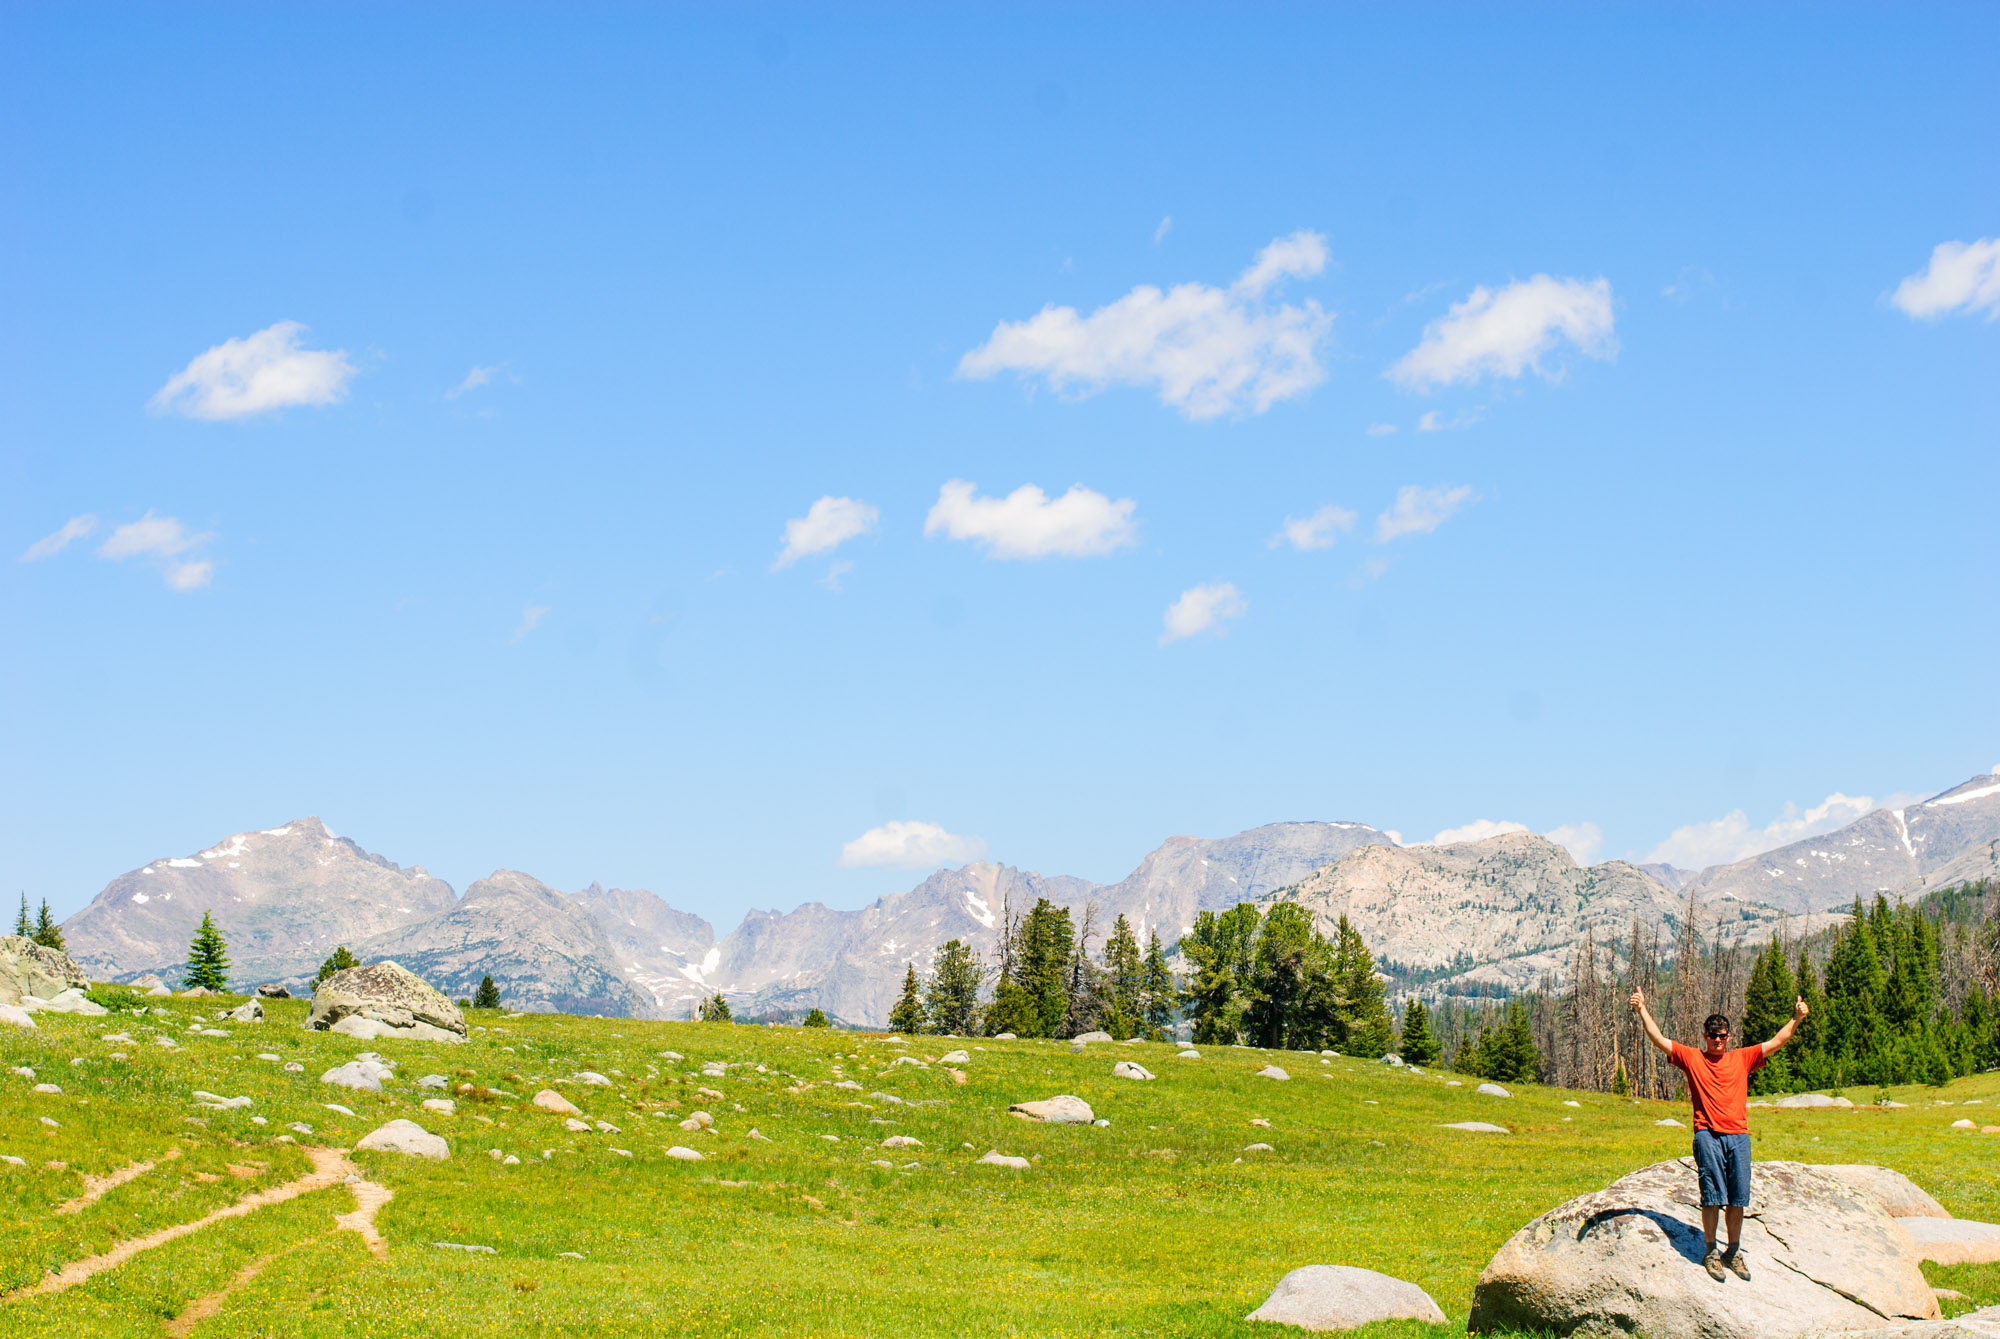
(1784, 1034)
(1653, 1033)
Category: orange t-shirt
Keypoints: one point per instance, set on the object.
(1720, 1089)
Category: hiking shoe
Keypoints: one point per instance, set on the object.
(1713, 1264)
(1734, 1262)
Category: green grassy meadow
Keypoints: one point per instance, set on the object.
(1160, 1224)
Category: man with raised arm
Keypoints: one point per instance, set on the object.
(1719, 1086)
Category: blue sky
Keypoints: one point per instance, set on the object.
(589, 440)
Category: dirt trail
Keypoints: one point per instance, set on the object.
(94, 1187)
(204, 1308)
(330, 1168)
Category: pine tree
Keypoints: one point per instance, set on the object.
(339, 961)
(1507, 1054)
(1619, 1085)
(1767, 1007)
(816, 1018)
(1160, 990)
(1046, 945)
(1125, 982)
(952, 1006)
(22, 925)
(208, 958)
(47, 933)
(1219, 947)
(1364, 1011)
(907, 1017)
(488, 994)
(715, 1009)
(1418, 1047)
(1294, 995)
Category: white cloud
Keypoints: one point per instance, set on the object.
(1317, 531)
(477, 377)
(253, 375)
(163, 540)
(1434, 421)
(1418, 511)
(1582, 840)
(1508, 332)
(531, 618)
(1380, 429)
(1028, 524)
(1202, 609)
(75, 528)
(1725, 840)
(1478, 830)
(827, 524)
(1208, 351)
(1961, 275)
(908, 845)
(1372, 570)
(1160, 233)
(834, 572)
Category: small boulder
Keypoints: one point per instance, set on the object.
(902, 1141)
(271, 990)
(407, 1137)
(1477, 1127)
(1125, 1069)
(592, 1078)
(1273, 1072)
(550, 1100)
(383, 999)
(684, 1154)
(575, 1126)
(1091, 1036)
(1812, 1100)
(954, 1058)
(1395, 1061)
(74, 1001)
(1342, 1297)
(1258, 1148)
(444, 1106)
(1062, 1110)
(361, 1075)
(1189, 1054)
(1954, 1241)
(993, 1157)
(1901, 1196)
(1005, 1036)
(1672, 1122)
(16, 1016)
(1492, 1090)
(250, 1011)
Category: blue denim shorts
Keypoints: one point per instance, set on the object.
(1724, 1163)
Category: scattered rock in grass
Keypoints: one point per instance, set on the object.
(294, 1067)
(54, 1126)
(250, 1011)
(1005, 1036)
(71, 1001)
(510, 1161)
(1477, 1127)
(1101, 1123)
(1060, 1110)
(701, 1118)
(1188, 1055)
(883, 1163)
(622, 1152)
(1258, 1148)
(902, 1141)
(433, 1081)
(606, 1127)
(848, 1085)
(407, 1137)
(672, 1055)
(197, 992)
(1571, 1102)
(1260, 1121)
(210, 1032)
(993, 1157)
(1342, 1297)
(1901, 1196)
(592, 1078)
(1392, 1059)
(574, 1125)
(335, 1106)
(13, 1161)
(1125, 1069)
(1273, 1072)
(444, 1106)
(1669, 1120)
(1954, 1241)
(361, 1075)
(266, 1055)
(271, 990)
(1813, 1100)
(49, 1088)
(550, 1100)
(1825, 1257)
(299, 1127)
(219, 1103)
(23, 1071)
(684, 1154)
(954, 1058)
(383, 999)
(831, 1138)
(1492, 1090)
(1091, 1036)
(461, 1246)
(759, 1136)
(908, 1060)
(1963, 1124)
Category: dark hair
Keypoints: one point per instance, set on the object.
(1716, 1026)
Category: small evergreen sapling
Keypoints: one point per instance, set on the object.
(715, 1009)
(47, 933)
(208, 957)
(817, 1018)
(340, 961)
(907, 1018)
(1419, 1046)
(488, 994)
(22, 925)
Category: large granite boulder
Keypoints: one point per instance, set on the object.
(1901, 1196)
(1824, 1258)
(382, 999)
(1341, 1297)
(26, 968)
(1955, 1241)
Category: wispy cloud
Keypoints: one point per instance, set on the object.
(1581, 840)
(1317, 531)
(1160, 233)
(1510, 331)
(477, 377)
(835, 570)
(1478, 830)
(1435, 421)
(827, 524)
(75, 528)
(1208, 351)
(1962, 276)
(168, 544)
(531, 618)
(240, 378)
(1027, 523)
(1418, 511)
(1381, 429)
(909, 845)
(1203, 609)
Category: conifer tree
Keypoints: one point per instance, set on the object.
(1294, 997)
(1364, 1010)
(1043, 953)
(815, 1018)
(1219, 947)
(715, 1009)
(1418, 1046)
(907, 1017)
(1619, 1085)
(22, 925)
(338, 961)
(1159, 990)
(488, 994)
(1767, 1007)
(47, 932)
(952, 1006)
(1124, 981)
(208, 958)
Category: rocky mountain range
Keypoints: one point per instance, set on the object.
(1497, 914)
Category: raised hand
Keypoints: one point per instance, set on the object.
(1800, 1008)
(1639, 1000)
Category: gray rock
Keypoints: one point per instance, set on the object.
(993, 1157)
(684, 1154)
(72, 1001)
(1477, 1127)
(1954, 1241)
(26, 968)
(1901, 1196)
(363, 1076)
(48, 1089)
(219, 1103)
(902, 1141)
(1005, 1036)
(591, 1078)
(1125, 1069)
(1258, 1148)
(1189, 1054)
(250, 1011)
(1092, 1036)
(1670, 1121)
(382, 999)
(433, 1081)
(337, 1107)
(1492, 1090)
(1341, 1297)
(1981, 1324)
(1395, 1061)
(406, 1136)
(1628, 1258)
(1061, 1110)
(575, 1126)
(270, 990)
(954, 1058)
(550, 1100)
(1273, 1072)
(442, 1105)
(1812, 1100)
(461, 1246)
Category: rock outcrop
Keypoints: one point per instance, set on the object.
(383, 999)
(1341, 1297)
(1954, 1241)
(28, 969)
(1627, 1259)
(1897, 1193)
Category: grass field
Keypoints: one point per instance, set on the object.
(1160, 1224)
